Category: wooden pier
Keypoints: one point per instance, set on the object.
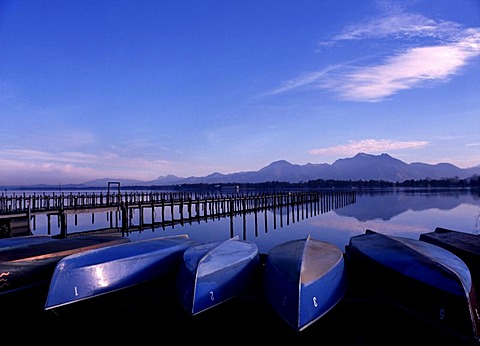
(158, 209)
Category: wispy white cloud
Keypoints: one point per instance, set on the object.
(400, 72)
(372, 146)
(399, 25)
(31, 155)
(304, 80)
(449, 49)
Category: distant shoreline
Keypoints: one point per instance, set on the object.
(451, 183)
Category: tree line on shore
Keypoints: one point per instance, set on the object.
(471, 183)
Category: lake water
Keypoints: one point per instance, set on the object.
(147, 314)
(406, 213)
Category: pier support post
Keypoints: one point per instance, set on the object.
(29, 217)
(63, 223)
(124, 211)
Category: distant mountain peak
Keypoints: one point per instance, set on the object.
(280, 162)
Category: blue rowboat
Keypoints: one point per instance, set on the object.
(26, 266)
(304, 279)
(464, 245)
(215, 272)
(426, 281)
(10, 242)
(101, 271)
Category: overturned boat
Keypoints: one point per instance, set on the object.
(101, 271)
(423, 279)
(212, 273)
(304, 279)
(464, 245)
(31, 262)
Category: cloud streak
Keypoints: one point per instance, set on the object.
(61, 166)
(304, 80)
(398, 25)
(449, 48)
(401, 72)
(371, 146)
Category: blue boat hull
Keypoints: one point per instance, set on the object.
(215, 272)
(304, 279)
(464, 245)
(101, 271)
(30, 265)
(422, 279)
(8, 243)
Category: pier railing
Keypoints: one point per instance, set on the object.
(162, 208)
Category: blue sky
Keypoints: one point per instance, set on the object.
(142, 89)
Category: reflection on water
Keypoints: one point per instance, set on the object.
(387, 205)
(404, 213)
(401, 213)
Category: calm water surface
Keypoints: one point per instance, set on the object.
(405, 213)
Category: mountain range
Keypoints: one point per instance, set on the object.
(360, 167)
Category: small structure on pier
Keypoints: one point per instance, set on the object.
(14, 227)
